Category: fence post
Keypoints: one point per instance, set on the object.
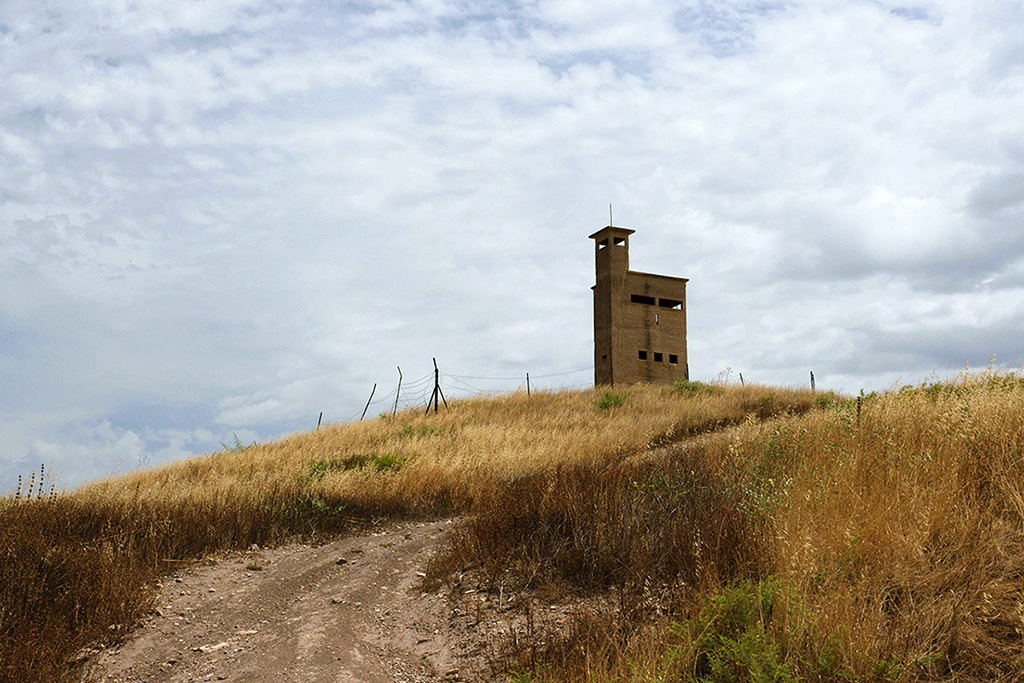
(368, 402)
(437, 384)
(398, 391)
(437, 390)
(812, 380)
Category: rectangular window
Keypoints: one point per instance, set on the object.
(641, 299)
(657, 357)
(602, 244)
(673, 359)
(620, 241)
(671, 303)
(642, 355)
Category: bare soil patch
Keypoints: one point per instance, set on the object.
(350, 610)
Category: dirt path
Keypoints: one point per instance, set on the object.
(350, 610)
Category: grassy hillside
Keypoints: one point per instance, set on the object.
(747, 533)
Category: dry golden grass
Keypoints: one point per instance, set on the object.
(904, 532)
(746, 533)
(896, 550)
(448, 458)
(74, 569)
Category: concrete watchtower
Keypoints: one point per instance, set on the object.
(639, 318)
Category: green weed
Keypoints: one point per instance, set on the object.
(732, 638)
(410, 431)
(688, 388)
(609, 400)
(238, 446)
(379, 462)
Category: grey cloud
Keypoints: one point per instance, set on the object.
(234, 220)
(914, 14)
(974, 262)
(996, 195)
(725, 28)
(141, 414)
(950, 347)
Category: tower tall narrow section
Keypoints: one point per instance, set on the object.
(639, 318)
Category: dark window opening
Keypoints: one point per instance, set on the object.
(673, 359)
(657, 357)
(602, 244)
(604, 357)
(641, 299)
(642, 355)
(671, 303)
(619, 241)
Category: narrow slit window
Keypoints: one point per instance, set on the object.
(657, 357)
(602, 244)
(641, 299)
(671, 303)
(642, 355)
(673, 359)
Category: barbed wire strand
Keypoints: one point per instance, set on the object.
(520, 377)
(413, 393)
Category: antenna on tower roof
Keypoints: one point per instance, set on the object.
(610, 221)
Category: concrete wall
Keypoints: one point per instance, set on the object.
(639, 318)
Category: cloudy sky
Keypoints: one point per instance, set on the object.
(219, 218)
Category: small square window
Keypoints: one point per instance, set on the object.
(657, 357)
(673, 359)
(642, 355)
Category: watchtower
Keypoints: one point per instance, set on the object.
(639, 318)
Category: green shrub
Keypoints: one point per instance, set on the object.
(686, 387)
(380, 462)
(731, 638)
(609, 400)
(423, 430)
(238, 446)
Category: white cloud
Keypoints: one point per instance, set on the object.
(229, 216)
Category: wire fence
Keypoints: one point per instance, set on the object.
(417, 393)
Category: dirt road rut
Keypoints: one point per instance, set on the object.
(350, 610)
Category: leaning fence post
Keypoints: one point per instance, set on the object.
(368, 402)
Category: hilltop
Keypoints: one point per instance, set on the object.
(698, 532)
